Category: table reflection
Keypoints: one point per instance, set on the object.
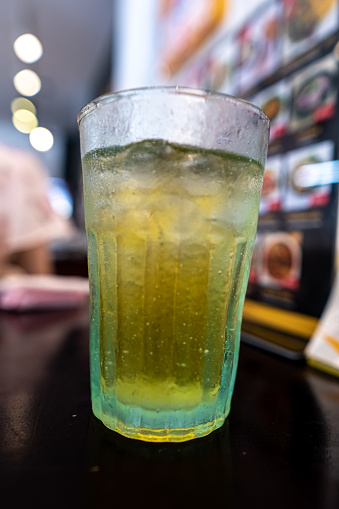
(29, 345)
(126, 471)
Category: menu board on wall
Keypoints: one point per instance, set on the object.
(307, 23)
(185, 27)
(292, 220)
(218, 69)
(284, 59)
(314, 91)
(260, 46)
(294, 255)
(275, 101)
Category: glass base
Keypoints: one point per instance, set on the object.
(182, 430)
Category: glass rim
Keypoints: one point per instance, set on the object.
(187, 91)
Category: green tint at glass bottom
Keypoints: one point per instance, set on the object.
(180, 424)
(189, 413)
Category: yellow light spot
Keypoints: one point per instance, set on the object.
(24, 121)
(21, 103)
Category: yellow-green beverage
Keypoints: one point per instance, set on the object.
(170, 236)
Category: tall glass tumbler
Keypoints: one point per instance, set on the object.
(172, 183)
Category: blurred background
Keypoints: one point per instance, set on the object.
(282, 55)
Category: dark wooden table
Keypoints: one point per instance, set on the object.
(278, 449)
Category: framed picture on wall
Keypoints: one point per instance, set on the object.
(306, 24)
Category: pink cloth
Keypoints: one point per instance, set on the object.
(26, 216)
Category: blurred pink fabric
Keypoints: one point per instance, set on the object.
(26, 216)
(42, 292)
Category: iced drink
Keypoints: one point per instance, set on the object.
(170, 233)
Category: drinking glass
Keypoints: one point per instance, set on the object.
(172, 184)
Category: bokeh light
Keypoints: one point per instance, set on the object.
(24, 121)
(41, 139)
(28, 48)
(21, 103)
(27, 82)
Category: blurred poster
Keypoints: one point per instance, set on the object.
(255, 263)
(260, 45)
(307, 23)
(184, 26)
(219, 70)
(275, 101)
(281, 254)
(303, 198)
(314, 93)
(271, 196)
(191, 74)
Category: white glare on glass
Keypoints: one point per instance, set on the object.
(41, 139)
(28, 48)
(21, 103)
(24, 121)
(27, 82)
